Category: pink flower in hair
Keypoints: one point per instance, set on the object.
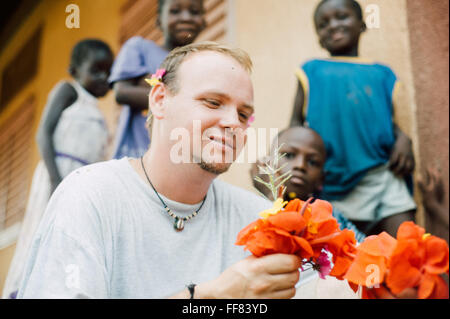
(157, 77)
(159, 73)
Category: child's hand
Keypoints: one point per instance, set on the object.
(432, 188)
(402, 161)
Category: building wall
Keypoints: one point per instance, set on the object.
(280, 35)
(428, 26)
(99, 18)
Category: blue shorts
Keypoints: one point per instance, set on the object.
(378, 195)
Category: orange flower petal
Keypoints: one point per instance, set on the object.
(327, 227)
(433, 287)
(354, 287)
(341, 265)
(440, 289)
(409, 230)
(290, 221)
(294, 205)
(247, 231)
(367, 293)
(402, 273)
(267, 241)
(323, 207)
(366, 269)
(379, 245)
(437, 255)
(426, 286)
(306, 249)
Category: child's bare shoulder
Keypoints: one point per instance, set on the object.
(65, 87)
(63, 91)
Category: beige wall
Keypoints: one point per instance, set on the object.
(6, 255)
(279, 35)
(428, 25)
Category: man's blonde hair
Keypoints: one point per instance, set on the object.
(176, 57)
(173, 61)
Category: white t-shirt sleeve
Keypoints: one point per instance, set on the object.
(67, 256)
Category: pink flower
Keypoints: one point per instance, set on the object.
(159, 73)
(323, 264)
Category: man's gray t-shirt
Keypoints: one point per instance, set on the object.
(105, 234)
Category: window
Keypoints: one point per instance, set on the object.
(16, 137)
(21, 69)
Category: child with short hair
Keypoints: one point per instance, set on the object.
(72, 133)
(181, 21)
(348, 101)
(304, 157)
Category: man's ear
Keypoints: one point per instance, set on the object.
(156, 100)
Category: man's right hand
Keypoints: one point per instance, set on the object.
(268, 277)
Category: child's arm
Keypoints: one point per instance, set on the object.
(401, 161)
(133, 93)
(297, 115)
(402, 157)
(64, 96)
(432, 188)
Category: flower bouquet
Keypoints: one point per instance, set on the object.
(304, 228)
(309, 230)
(412, 260)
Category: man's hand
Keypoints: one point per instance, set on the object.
(269, 277)
(402, 161)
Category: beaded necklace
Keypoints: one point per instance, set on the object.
(178, 223)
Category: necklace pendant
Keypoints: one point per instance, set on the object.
(178, 224)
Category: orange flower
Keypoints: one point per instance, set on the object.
(300, 228)
(276, 234)
(343, 249)
(374, 251)
(413, 260)
(417, 261)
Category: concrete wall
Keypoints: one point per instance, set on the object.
(428, 28)
(280, 35)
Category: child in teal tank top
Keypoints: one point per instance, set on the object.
(349, 102)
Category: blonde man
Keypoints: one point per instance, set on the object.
(155, 227)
